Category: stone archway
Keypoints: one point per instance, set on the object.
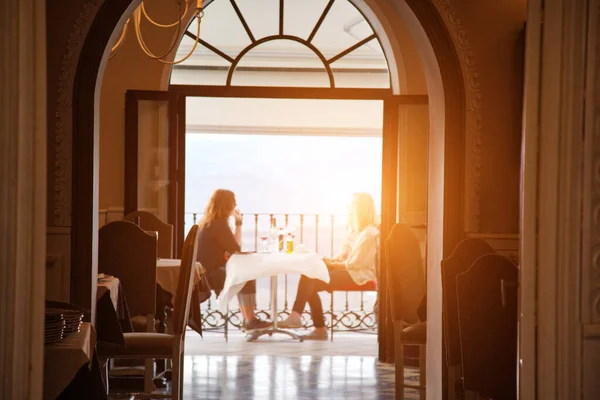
(74, 194)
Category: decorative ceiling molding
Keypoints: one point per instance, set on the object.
(474, 118)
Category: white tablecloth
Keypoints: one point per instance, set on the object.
(167, 274)
(112, 284)
(242, 268)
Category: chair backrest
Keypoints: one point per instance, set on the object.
(488, 317)
(405, 273)
(127, 252)
(150, 222)
(186, 281)
(461, 259)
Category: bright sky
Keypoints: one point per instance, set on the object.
(282, 174)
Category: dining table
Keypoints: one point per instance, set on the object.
(244, 267)
(112, 313)
(167, 278)
(70, 360)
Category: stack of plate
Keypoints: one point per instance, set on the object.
(72, 321)
(54, 326)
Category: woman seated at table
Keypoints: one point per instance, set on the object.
(216, 242)
(356, 264)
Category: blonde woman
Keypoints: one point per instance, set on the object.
(216, 242)
(356, 264)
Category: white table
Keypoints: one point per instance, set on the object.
(242, 268)
(167, 274)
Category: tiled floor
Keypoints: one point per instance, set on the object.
(279, 368)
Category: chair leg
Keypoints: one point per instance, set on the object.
(175, 382)
(227, 324)
(149, 375)
(423, 371)
(399, 361)
(106, 374)
(332, 316)
(177, 375)
(181, 370)
(452, 383)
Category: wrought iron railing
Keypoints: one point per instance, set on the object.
(323, 233)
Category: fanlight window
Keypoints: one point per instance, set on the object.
(305, 43)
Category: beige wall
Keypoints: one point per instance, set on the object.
(494, 32)
(130, 69)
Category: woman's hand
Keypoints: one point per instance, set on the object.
(334, 264)
(237, 216)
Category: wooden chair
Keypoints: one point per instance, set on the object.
(127, 252)
(407, 288)
(150, 222)
(488, 318)
(461, 259)
(144, 345)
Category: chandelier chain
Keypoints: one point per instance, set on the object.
(137, 20)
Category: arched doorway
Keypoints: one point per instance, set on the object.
(446, 149)
(258, 51)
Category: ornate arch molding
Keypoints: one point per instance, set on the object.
(474, 119)
(61, 171)
(72, 149)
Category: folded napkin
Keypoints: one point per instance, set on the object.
(300, 249)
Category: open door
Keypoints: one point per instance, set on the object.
(404, 193)
(154, 156)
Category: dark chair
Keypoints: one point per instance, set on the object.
(488, 317)
(461, 259)
(129, 253)
(147, 345)
(150, 222)
(406, 278)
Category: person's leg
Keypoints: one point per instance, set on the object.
(337, 279)
(306, 288)
(247, 299)
(303, 295)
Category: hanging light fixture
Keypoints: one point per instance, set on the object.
(141, 14)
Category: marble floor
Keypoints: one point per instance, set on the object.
(279, 368)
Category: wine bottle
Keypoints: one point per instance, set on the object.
(273, 236)
(281, 239)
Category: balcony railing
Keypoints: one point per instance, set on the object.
(323, 233)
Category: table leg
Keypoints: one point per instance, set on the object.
(270, 331)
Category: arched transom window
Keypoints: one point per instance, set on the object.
(300, 43)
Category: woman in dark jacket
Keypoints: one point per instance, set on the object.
(216, 243)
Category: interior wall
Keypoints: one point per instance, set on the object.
(490, 36)
(130, 69)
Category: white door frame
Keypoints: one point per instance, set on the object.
(528, 221)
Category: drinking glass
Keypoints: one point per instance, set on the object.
(264, 237)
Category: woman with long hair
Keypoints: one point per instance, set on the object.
(356, 264)
(216, 243)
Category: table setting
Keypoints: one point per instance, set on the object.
(246, 266)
